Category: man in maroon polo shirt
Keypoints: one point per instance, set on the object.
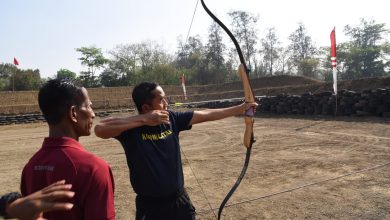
(67, 110)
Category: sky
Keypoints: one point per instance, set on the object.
(43, 34)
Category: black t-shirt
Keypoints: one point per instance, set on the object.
(153, 156)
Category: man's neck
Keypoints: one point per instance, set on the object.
(62, 131)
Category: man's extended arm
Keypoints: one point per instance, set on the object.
(216, 114)
(112, 127)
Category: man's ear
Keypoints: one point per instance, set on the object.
(73, 114)
(145, 108)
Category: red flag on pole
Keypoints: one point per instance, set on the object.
(16, 62)
(333, 58)
(333, 47)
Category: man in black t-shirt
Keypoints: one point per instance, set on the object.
(151, 144)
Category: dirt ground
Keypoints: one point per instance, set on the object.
(300, 168)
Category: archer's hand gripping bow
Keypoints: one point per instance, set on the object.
(249, 97)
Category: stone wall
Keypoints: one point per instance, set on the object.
(375, 102)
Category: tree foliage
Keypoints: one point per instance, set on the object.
(366, 55)
(302, 51)
(26, 80)
(134, 63)
(94, 59)
(15, 79)
(244, 29)
(271, 50)
(66, 74)
(215, 48)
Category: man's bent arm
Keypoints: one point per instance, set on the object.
(220, 113)
(112, 127)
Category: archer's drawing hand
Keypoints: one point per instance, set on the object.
(156, 117)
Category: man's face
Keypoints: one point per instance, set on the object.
(85, 116)
(158, 102)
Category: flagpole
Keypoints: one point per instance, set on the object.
(335, 86)
(183, 85)
(16, 63)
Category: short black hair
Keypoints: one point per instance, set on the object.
(56, 97)
(142, 93)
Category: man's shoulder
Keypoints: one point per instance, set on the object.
(181, 113)
(90, 159)
(81, 159)
(93, 167)
(53, 162)
(53, 156)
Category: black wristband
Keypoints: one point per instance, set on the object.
(8, 199)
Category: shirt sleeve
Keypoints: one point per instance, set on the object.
(99, 202)
(182, 120)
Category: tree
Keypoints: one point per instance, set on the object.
(93, 58)
(283, 64)
(270, 50)
(232, 65)
(151, 55)
(15, 79)
(366, 55)
(165, 74)
(190, 54)
(260, 69)
(145, 54)
(66, 74)
(244, 29)
(302, 51)
(215, 49)
(191, 60)
(27, 80)
(7, 69)
(7, 72)
(133, 63)
(123, 65)
(111, 78)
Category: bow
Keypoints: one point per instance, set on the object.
(249, 97)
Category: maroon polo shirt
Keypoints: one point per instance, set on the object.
(90, 176)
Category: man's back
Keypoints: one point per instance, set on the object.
(90, 176)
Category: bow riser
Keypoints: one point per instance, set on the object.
(249, 97)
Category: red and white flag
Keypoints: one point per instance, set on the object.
(333, 58)
(16, 62)
(183, 84)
